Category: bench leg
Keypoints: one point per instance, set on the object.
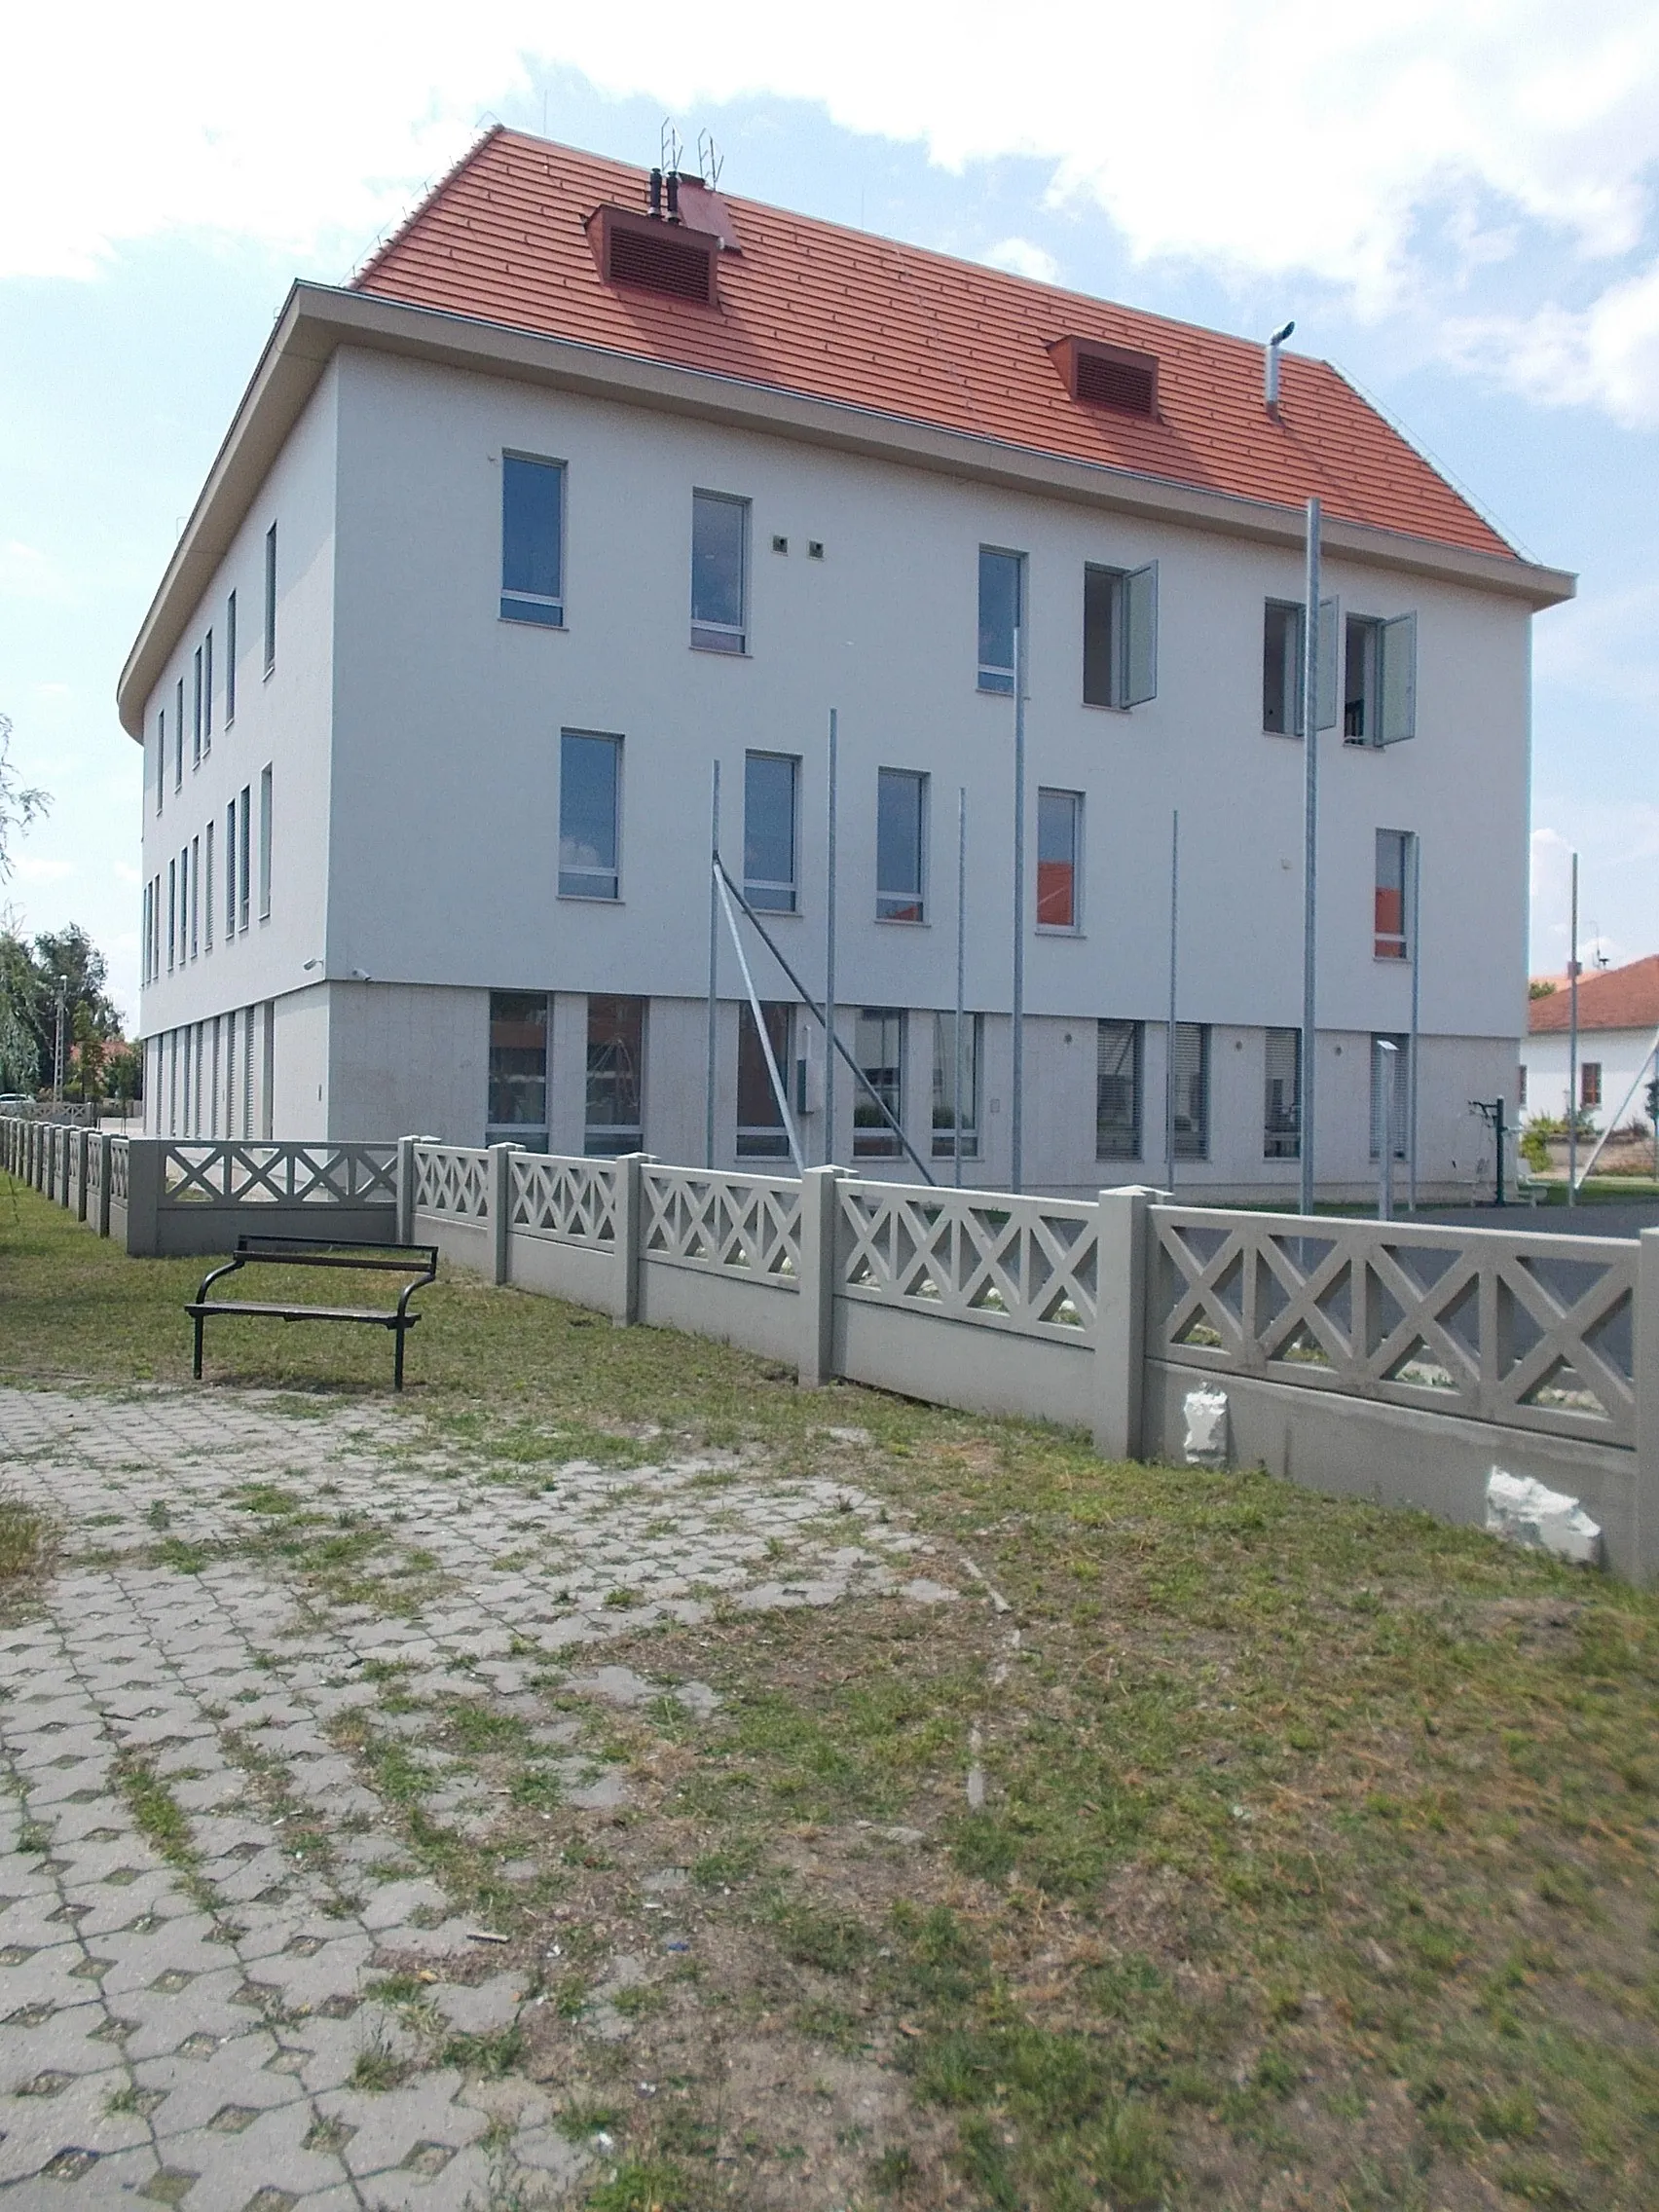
(196, 1369)
(397, 1362)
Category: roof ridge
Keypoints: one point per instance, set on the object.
(429, 192)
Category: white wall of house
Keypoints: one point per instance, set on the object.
(414, 744)
(1621, 1054)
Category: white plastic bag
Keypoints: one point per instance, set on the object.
(1206, 1428)
(1524, 1512)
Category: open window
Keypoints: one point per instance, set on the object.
(1120, 636)
(1282, 645)
(1379, 684)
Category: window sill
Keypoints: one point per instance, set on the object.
(721, 652)
(900, 922)
(995, 690)
(1060, 928)
(1108, 706)
(772, 913)
(527, 615)
(591, 897)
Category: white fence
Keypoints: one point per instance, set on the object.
(1390, 1360)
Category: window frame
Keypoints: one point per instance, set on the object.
(538, 610)
(945, 1082)
(196, 712)
(876, 1139)
(997, 677)
(265, 800)
(761, 891)
(610, 1140)
(231, 871)
(269, 639)
(244, 832)
(1387, 694)
(569, 886)
(1075, 811)
(208, 885)
(161, 760)
(1131, 649)
(230, 659)
(1132, 1133)
(208, 694)
(1589, 1086)
(178, 735)
(193, 873)
(515, 1131)
(1392, 945)
(709, 634)
(768, 1139)
(173, 910)
(1281, 1130)
(1195, 1143)
(888, 900)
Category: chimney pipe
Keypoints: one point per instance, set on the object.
(674, 196)
(655, 199)
(1271, 373)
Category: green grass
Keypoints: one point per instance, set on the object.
(24, 1546)
(1317, 1839)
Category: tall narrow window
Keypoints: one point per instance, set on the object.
(265, 844)
(1059, 845)
(590, 781)
(760, 1131)
(720, 556)
(1590, 1084)
(230, 660)
(1192, 1079)
(196, 709)
(879, 1044)
(270, 598)
(615, 1075)
(1118, 1090)
(1393, 867)
(194, 895)
(172, 912)
(516, 1107)
(1397, 1065)
(947, 1109)
(769, 786)
(532, 541)
(230, 872)
(1281, 669)
(207, 889)
(901, 844)
(1282, 1103)
(1001, 613)
(161, 757)
(1120, 636)
(146, 925)
(244, 826)
(178, 736)
(207, 693)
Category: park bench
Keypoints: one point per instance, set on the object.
(308, 1252)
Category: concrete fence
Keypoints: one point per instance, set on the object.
(1395, 1361)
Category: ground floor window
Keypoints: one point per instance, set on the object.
(517, 1110)
(944, 1099)
(1281, 1111)
(615, 1075)
(880, 1048)
(760, 1130)
(1118, 1090)
(1190, 1076)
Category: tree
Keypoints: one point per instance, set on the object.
(90, 1053)
(1540, 987)
(124, 1075)
(30, 980)
(19, 803)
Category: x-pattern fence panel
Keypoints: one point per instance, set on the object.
(117, 1170)
(570, 1201)
(453, 1181)
(746, 1224)
(285, 1174)
(1533, 1331)
(1020, 1264)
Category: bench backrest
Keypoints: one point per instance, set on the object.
(321, 1252)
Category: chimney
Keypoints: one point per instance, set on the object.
(654, 195)
(1271, 370)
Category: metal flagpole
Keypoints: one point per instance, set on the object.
(779, 1092)
(961, 975)
(1572, 1046)
(1169, 1054)
(1310, 844)
(1411, 1064)
(714, 971)
(830, 955)
(1016, 1118)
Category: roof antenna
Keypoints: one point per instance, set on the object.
(1270, 375)
(672, 152)
(709, 160)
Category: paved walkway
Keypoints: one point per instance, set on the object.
(186, 2013)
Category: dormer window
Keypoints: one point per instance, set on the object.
(643, 254)
(1113, 377)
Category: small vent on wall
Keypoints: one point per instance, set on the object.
(1109, 375)
(662, 263)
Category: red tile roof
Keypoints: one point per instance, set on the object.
(1613, 998)
(837, 314)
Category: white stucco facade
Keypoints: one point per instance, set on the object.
(1610, 1063)
(413, 742)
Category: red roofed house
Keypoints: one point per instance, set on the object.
(593, 481)
(1619, 1021)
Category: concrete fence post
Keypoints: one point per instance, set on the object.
(105, 1144)
(501, 1203)
(820, 1246)
(1644, 1530)
(630, 1237)
(1120, 1318)
(406, 1190)
(144, 1165)
(83, 1152)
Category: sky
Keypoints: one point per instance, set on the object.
(1457, 202)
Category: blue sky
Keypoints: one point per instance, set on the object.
(1459, 207)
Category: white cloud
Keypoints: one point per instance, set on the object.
(1020, 257)
(26, 572)
(31, 869)
(1256, 137)
(1606, 354)
(1605, 646)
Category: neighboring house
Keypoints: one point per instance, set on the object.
(563, 501)
(1618, 1019)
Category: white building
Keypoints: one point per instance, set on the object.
(563, 502)
(1619, 1021)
